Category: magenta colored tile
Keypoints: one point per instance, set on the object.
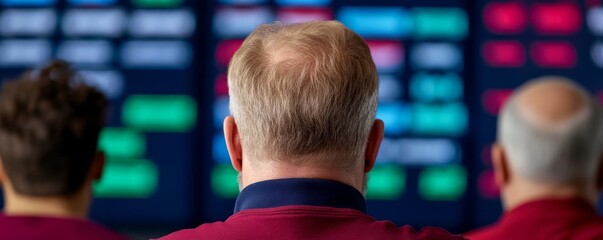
(225, 50)
(297, 15)
(388, 55)
(221, 85)
(556, 18)
(505, 17)
(504, 54)
(487, 185)
(493, 100)
(557, 54)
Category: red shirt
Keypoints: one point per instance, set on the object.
(552, 219)
(292, 209)
(51, 228)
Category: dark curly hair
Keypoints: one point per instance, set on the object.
(49, 127)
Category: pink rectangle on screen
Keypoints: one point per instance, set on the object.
(554, 54)
(221, 85)
(487, 185)
(505, 17)
(556, 18)
(297, 15)
(388, 55)
(494, 99)
(225, 50)
(504, 53)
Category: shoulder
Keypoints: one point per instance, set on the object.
(101, 232)
(430, 233)
(211, 231)
(293, 225)
(76, 228)
(182, 234)
(30, 227)
(481, 233)
(591, 230)
(195, 233)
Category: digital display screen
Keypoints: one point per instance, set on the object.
(419, 50)
(445, 68)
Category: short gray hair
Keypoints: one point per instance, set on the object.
(304, 92)
(566, 153)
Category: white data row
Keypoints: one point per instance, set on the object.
(165, 54)
(112, 23)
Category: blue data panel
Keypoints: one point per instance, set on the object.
(92, 2)
(27, 3)
(28, 22)
(391, 22)
(396, 117)
(303, 2)
(230, 22)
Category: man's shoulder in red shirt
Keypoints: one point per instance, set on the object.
(291, 209)
(31, 227)
(307, 222)
(549, 219)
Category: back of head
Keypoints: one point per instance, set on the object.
(304, 93)
(49, 127)
(552, 131)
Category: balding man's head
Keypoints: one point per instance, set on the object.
(304, 93)
(551, 132)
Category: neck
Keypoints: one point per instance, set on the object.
(523, 191)
(73, 206)
(258, 172)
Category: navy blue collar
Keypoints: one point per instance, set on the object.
(300, 191)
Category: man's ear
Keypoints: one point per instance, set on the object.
(233, 143)
(501, 166)
(373, 144)
(98, 165)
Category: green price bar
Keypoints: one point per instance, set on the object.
(443, 183)
(170, 113)
(386, 182)
(449, 119)
(224, 181)
(436, 87)
(127, 179)
(157, 3)
(119, 143)
(440, 23)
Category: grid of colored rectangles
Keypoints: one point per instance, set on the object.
(103, 40)
(549, 21)
(545, 37)
(419, 55)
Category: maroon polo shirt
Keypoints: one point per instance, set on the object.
(52, 228)
(550, 219)
(302, 209)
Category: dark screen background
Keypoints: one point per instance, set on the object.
(445, 68)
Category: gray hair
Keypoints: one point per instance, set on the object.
(565, 153)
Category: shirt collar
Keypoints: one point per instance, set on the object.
(563, 208)
(300, 191)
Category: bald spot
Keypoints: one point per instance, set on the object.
(550, 102)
